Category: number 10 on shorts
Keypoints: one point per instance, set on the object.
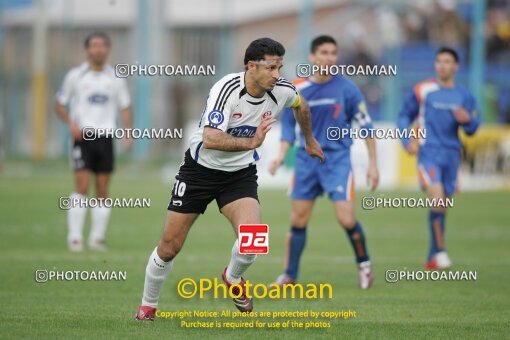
(253, 238)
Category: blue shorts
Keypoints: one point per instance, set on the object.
(439, 166)
(312, 179)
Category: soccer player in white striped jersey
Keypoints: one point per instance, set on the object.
(219, 164)
(92, 97)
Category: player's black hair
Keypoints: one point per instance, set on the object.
(450, 51)
(321, 39)
(101, 35)
(260, 47)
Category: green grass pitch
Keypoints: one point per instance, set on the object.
(32, 236)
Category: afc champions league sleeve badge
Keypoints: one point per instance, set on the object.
(215, 118)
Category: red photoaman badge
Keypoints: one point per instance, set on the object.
(253, 238)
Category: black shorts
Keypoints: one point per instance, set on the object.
(94, 155)
(196, 186)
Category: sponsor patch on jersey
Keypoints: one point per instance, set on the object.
(98, 98)
(245, 131)
(215, 117)
(322, 101)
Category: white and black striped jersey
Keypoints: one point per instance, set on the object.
(231, 109)
(95, 98)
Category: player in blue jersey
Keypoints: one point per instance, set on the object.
(440, 106)
(335, 102)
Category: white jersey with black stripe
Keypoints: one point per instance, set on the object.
(95, 97)
(231, 109)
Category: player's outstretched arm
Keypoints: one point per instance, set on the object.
(302, 114)
(276, 163)
(218, 140)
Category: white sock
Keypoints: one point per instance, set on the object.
(238, 264)
(100, 217)
(76, 218)
(155, 275)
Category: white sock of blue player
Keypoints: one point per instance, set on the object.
(76, 218)
(100, 217)
(239, 263)
(156, 273)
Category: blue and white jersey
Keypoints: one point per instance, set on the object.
(94, 98)
(432, 107)
(335, 104)
(231, 109)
